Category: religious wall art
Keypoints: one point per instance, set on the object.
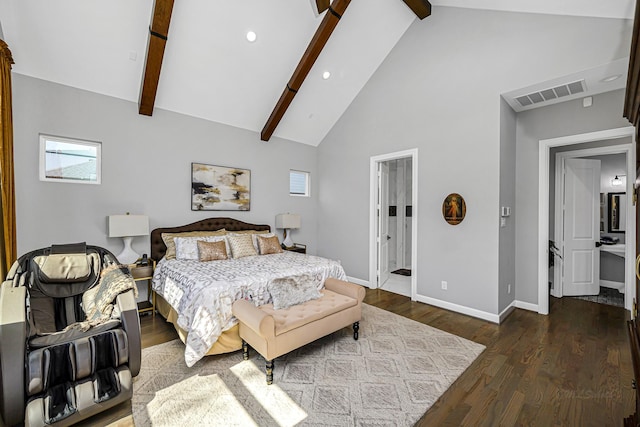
(454, 209)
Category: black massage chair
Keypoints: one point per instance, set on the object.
(69, 336)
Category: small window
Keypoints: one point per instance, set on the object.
(69, 160)
(298, 183)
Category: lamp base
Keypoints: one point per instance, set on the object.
(287, 242)
(128, 255)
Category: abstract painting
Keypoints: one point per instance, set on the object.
(220, 188)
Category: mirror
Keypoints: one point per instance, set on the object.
(617, 212)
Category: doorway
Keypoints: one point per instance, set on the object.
(544, 216)
(393, 224)
(589, 221)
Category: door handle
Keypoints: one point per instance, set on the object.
(637, 267)
(388, 237)
(598, 244)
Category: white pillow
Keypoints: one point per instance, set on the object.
(187, 247)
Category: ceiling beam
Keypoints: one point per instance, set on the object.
(319, 40)
(422, 8)
(158, 31)
(322, 5)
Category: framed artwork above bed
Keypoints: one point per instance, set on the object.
(220, 188)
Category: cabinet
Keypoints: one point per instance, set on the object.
(145, 274)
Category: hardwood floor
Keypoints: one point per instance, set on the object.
(571, 368)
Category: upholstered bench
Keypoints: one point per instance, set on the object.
(273, 333)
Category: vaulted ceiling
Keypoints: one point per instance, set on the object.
(211, 71)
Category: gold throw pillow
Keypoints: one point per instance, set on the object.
(241, 245)
(211, 251)
(167, 238)
(269, 245)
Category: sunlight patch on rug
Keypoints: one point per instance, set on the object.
(389, 377)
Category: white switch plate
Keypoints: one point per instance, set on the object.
(444, 285)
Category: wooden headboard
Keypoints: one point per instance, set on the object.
(158, 248)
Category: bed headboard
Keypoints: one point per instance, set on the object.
(158, 247)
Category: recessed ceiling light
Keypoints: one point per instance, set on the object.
(251, 36)
(326, 75)
(611, 78)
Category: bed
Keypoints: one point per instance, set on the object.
(197, 296)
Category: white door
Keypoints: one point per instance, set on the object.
(581, 266)
(383, 223)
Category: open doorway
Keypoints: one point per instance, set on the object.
(393, 222)
(544, 215)
(589, 222)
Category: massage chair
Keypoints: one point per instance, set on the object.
(53, 372)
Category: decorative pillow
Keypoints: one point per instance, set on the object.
(241, 245)
(257, 234)
(288, 291)
(251, 232)
(268, 245)
(211, 251)
(187, 247)
(168, 239)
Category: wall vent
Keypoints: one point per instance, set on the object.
(552, 93)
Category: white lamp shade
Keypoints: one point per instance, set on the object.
(288, 221)
(128, 225)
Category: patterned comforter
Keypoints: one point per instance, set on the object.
(202, 292)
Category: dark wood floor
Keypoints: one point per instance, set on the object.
(570, 368)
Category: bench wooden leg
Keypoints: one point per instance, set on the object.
(356, 326)
(269, 372)
(245, 350)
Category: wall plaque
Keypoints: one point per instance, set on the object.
(454, 209)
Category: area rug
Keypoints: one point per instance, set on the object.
(389, 377)
(402, 271)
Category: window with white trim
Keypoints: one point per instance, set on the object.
(69, 160)
(299, 183)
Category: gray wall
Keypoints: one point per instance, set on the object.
(507, 250)
(146, 168)
(439, 90)
(567, 118)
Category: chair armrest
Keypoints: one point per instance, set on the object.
(345, 288)
(256, 319)
(13, 337)
(131, 324)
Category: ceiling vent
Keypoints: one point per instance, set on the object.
(552, 93)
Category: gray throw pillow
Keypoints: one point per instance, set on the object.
(288, 291)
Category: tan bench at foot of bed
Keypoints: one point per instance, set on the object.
(273, 333)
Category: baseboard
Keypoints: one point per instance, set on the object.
(494, 318)
(359, 281)
(507, 311)
(613, 285)
(526, 306)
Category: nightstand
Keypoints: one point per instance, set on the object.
(297, 247)
(145, 274)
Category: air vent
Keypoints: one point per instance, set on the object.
(552, 93)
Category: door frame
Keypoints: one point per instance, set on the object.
(383, 271)
(544, 152)
(559, 193)
(373, 229)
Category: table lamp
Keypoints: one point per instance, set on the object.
(128, 226)
(287, 222)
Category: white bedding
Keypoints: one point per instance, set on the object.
(202, 292)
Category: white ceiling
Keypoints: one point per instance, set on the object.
(211, 71)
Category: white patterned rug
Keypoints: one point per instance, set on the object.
(389, 377)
